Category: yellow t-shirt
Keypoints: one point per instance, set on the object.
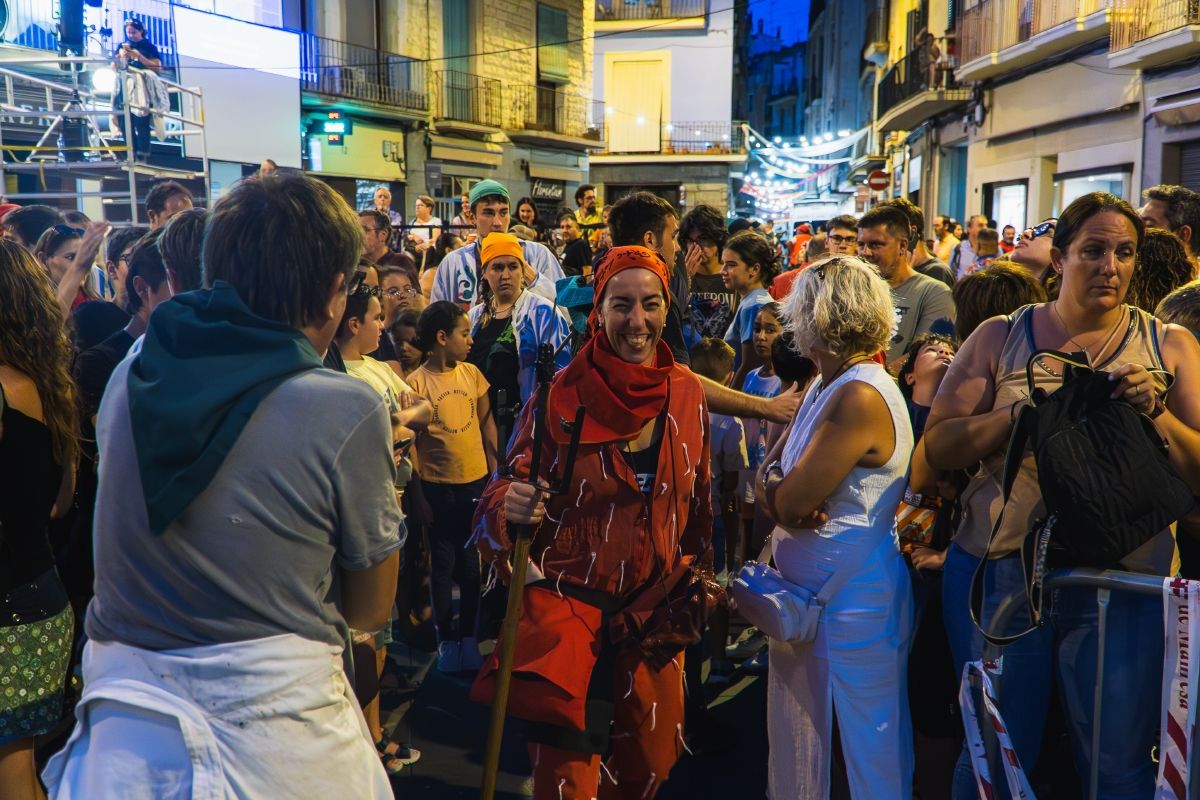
(451, 448)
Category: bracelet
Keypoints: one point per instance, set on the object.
(1159, 407)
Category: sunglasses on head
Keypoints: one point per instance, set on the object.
(356, 280)
(369, 291)
(67, 230)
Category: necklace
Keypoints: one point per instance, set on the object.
(853, 360)
(502, 313)
(1103, 347)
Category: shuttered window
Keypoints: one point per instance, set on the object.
(1189, 165)
(552, 44)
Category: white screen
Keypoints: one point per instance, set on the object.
(250, 75)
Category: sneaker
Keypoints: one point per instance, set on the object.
(758, 664)
(449, 658)
(720, 670)
(749, 643)
(471, 659)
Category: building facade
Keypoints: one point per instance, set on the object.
(664, 72)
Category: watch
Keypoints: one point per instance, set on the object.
(774, 468)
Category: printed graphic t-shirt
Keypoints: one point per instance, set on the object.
(451, 448)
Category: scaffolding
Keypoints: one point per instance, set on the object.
(74, 143)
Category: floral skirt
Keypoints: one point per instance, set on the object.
(33, 671)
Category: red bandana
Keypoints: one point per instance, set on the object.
(620, 397)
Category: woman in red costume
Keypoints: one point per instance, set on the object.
(598, 671)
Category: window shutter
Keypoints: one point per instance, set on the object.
(552, 44)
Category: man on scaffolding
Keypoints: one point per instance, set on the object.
(138, 52)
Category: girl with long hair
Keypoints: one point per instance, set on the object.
(38, 449)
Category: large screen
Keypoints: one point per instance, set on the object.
(250, 75)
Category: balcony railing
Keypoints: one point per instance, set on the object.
(1134, 21)
(993, 25)
(537, 108)
(680, 138)
(648, 9)
(346, 70)
(464, 97)
(915, 73)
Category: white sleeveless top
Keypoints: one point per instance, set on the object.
(865, 502)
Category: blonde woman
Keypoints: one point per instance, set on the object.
(832, 484)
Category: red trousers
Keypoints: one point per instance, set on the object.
(647, 739)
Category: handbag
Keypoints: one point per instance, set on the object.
(786, 611)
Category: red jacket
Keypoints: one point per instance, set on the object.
(603, 533)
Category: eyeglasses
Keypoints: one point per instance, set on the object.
(1040, 230)
(67, 230)
(395, 291)
(355, 281)
(843, 239)
(702, 241)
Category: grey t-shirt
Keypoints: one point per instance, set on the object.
(922, 305)
(307, 487)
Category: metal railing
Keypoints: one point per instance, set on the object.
(689, 138)
(917, 72)
(467, 98)
(1105, 582)
(1134, 21)
(34, 24)
(537, 108)
(347, 70)
(648, 9)
(993, 25)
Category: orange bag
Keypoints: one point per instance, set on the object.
(558, 643)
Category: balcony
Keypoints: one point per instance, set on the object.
(540, 115)
(616, 15)
(1150, 33)
(466, 103)
(916, 88)
(875, 49)
(1000, 36)
(683, 141)
(349, 72)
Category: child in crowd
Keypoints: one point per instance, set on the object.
(988, 249)
(795, 373)
(358, 333)
(404, 337)
(457, 453)
(929, 357)
(748, 265)
(713, 358)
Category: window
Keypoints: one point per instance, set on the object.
(1071, 185)
(552, 61)
(1006, 203)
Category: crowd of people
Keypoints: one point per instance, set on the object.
(250, 445)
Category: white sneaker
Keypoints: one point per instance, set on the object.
(449, 657)
(471, 659)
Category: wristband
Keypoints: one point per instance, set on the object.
(1159, 407)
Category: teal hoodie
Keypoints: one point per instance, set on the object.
(206, 363)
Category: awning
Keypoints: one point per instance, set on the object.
(469, 151)
(555, 173)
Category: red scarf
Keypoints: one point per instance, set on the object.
(620, 397)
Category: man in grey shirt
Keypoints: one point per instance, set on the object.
(922, 304)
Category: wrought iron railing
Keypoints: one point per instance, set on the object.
(346, 70)
(467, 98)
(993, 25)
(538, 108)
(687, 138)
(917, 72)
(648, 9)
(1134, 21)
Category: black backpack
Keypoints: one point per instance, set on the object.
(1104, 475)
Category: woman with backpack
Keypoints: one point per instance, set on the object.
(979, 402)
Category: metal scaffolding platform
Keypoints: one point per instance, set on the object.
(75, 142)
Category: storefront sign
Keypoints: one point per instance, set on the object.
(548, 190)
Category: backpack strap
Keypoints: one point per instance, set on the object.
(1057, 355)
(1012, 467)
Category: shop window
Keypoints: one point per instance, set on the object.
(1071, 185)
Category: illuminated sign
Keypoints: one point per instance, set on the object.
(336, 126)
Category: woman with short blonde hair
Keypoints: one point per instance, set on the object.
(832, 484)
